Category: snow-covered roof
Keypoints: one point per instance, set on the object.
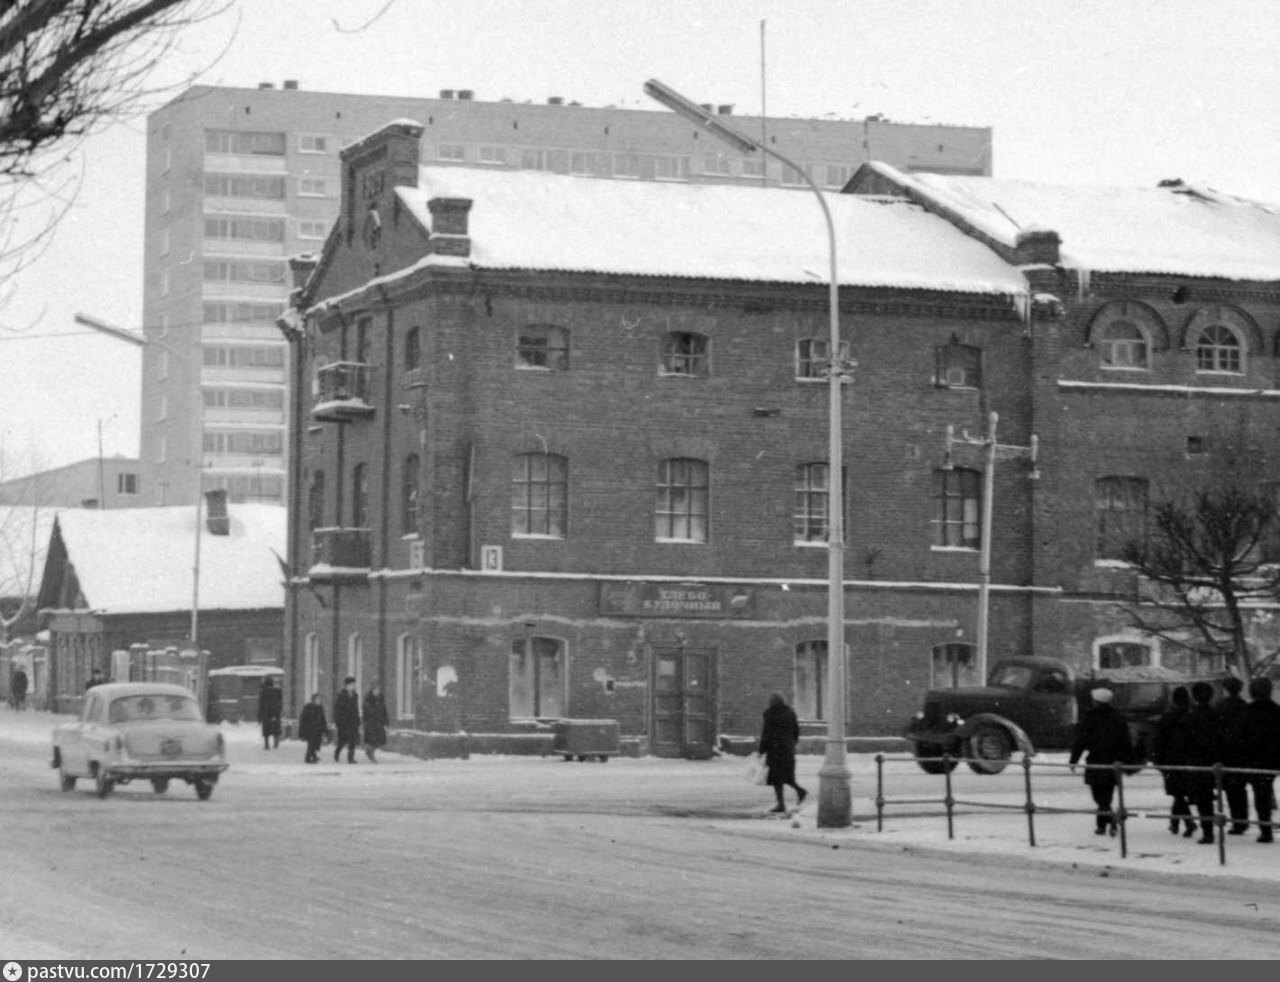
(1175, 229)
(538, 221)
(139, 560)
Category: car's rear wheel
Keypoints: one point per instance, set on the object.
(934, 766)
(66, 780)
(203, 789)
(160, 784)
(102, 784)
(990, 748)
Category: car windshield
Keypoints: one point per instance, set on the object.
(131, 709)
(1011, 676)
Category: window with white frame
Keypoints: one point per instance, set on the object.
(127, 484)
(1218, 349)
(954, 666)
(718, 165)
(355, 660)
(533, 158)
(671, 168)
(244, 143)
(312, 229)
(1120, 507)
(311, 187)
(811, 516)
(313, 143)
(685, 353)
(408, 665)
(536, 678)
(451, 151)
(810, 675)
(311, 665)
(683, 496)
(813, 357)
(1123, 344)
(956, 519)
(492, 155)
(540, 495)
(626, 165)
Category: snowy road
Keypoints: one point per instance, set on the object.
(530, 858)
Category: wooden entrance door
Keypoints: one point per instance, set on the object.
(684, 690)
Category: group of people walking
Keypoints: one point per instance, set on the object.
(349, 715)
(1190, 739)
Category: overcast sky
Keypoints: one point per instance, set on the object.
(1123, 92)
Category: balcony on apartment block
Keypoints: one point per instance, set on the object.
(342, 392)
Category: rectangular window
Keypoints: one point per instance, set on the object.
(591, 164)
(1120, 504)
(958, 366)
(162, 365)
(811, 679)
(164, 282)
(838, 175)
(312, 229)
(1124, 654)
(540, 495)
(685, 353)
(752, 168)
(311, 187)
(408, 664)
(166, 202)
(543, 346)
(492, 155)
(244, 398)
(246, 356)
(240, 312)
(162, 450)
(269, 443)
(127, 484)
(671, 168)
(813, 357)
(792, 177)
(313, 143)
(164, 242)
(244, 143)
(719, 164)
(956, 508)
(162, 409)
(682, 507)
(810, 519)
(451, 151)
(243, 271)
(244, 228)
(533, 159)
(626, 165)
(265, 186)
(536, 678)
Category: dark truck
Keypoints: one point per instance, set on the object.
(1030, 704)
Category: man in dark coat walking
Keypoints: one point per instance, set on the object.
(1168, 749)
(778, 739)
(18, 688)
(346, 719)
(375, 721)
(1262, 736)
(1202, 733)
(1235, 753)
(1104, 735)
(312, 726)
(270, 709)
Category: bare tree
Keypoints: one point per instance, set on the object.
(1206, 561)
(26, 522)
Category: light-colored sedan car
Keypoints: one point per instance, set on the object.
(148, 730)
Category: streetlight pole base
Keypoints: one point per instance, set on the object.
(835, 796)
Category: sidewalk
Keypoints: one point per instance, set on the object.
(921, 826)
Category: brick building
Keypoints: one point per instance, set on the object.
(559, 444)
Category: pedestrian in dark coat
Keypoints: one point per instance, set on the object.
(375, 721)
(95, 678)
(1235, 753)
(1202, 733)
(778, 739)
(312, 726)
(1104, 735)
(346, 719)
(1168, 749)
(18, 689)
(1262, 736)
(270, 709)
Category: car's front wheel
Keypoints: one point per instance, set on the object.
(102, 784)
(203, 789)
(160, 784)
(990, 748)
(925, 750)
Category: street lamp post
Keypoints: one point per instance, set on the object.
(835, 804)
(140, 341)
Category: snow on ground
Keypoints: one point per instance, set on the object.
(918, 825)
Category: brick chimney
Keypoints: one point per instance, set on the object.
(372, 168)
(301, 267)
(216, 518)
(449, 236)
(1037, 245)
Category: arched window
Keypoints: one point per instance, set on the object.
(683, 494)
(1122, 344)
(685, 353)
(536, 679)
(540, 495)
(412, 349)
(1120, 504)
(315, 501)
(811, 679)
(408, 665)
(957, 521)
(355, 660)
(1218, 349)
(360, 496)
(409, 496)
(310, 666)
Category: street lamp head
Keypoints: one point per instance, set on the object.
(693, 112)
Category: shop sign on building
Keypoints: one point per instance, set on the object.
(674, 600)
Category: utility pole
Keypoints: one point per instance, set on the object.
(993, 452)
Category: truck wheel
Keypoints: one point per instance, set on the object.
(933, 766)
(203, 789)
(160, 784)
(990, 748)
(102, 784)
